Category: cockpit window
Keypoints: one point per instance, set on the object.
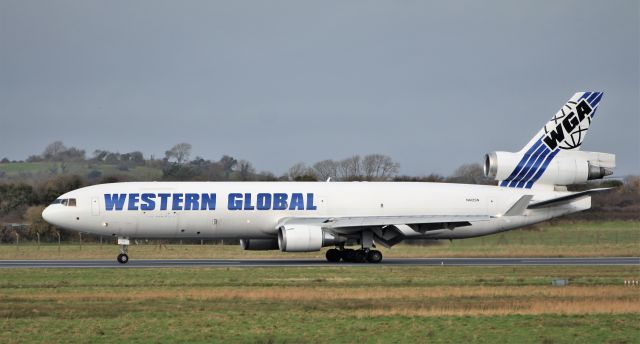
(67, 202)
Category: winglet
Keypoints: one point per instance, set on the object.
(519, 207)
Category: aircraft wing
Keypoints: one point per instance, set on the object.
(420, 223)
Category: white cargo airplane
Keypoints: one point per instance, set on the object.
(306, 216)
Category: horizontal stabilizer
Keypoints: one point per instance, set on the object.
(563, 199)
(519, 207)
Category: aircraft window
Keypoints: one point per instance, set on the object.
(64, 202)
(57, 201)
(72, 202)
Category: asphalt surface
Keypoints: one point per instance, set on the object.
(191, 263)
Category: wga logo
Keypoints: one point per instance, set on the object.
(568, 128)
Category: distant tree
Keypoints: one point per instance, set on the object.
(114, 179)
(379, 167)
(94, 175)
(53, 188)
(4, 161)
(300, 172)
(34, 158)
(112, 158)
(350, 168)
(57, 151)
(71, 154)
(326, 169)
(53, 150)
(470, 174)
(16, 195)
(99, 155)
(37, 225)
(434, 178)
(245, 170)
(137, 157)
(266, 176)
(228, 164)
(179, 152)
(178, 172)
(297, 170)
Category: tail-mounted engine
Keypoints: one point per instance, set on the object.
(570, 167)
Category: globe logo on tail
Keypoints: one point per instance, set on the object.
(569, 126)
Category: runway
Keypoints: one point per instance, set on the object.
(207, 263)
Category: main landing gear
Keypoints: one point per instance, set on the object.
(354, 256)
(123, 257)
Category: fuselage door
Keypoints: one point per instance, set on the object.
(95, 206)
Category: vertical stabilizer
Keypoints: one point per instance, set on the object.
(564, 132)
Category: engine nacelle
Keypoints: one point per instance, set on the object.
(303, 238)
(569, 167)
(259, 244)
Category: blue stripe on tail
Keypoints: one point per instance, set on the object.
(535, 168)
(522, 163)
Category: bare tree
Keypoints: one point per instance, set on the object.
(379, 167)
(326, 169)
(298, 170)
(53, 150)
(180, 152)
(350, 168)
(470, 174)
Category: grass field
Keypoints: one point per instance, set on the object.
(47, 169)
(297, 305)
(564, 239)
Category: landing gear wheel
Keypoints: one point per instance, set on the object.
(123, 258)
(333, 255)
(360, 256)
(374, 256)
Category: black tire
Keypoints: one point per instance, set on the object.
(333, 255)
(360, 256)
(348, 255)
(123, 258)
(374, 256)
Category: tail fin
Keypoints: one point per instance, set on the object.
(567, 129)
(564, 132)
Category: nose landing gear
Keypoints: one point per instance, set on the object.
(123, 257)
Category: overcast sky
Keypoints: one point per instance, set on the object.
(432, 84)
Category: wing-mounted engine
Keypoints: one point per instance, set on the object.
(570, 167)
(303, 238)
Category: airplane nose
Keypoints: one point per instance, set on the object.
(46, 214)
(52, 216)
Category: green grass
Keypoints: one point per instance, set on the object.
(326, 305)
(563, 239)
